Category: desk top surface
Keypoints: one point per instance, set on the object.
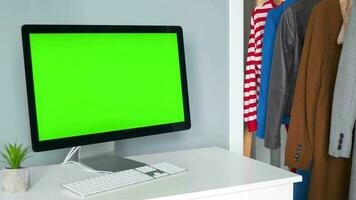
(211, 171)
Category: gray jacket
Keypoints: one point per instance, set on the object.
(286, 57)
(344, 103)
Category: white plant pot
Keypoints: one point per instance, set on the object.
(15, 180)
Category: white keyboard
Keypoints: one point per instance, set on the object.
(117, 180)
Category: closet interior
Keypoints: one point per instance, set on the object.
(299, 110)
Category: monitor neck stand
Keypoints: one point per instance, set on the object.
(105, 162)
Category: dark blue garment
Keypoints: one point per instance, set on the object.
(301, 189)
(269, 36)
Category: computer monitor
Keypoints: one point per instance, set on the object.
(95, 83)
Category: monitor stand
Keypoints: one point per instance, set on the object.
(110, 162)
(106, 162)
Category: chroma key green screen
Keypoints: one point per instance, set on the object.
(87, 83)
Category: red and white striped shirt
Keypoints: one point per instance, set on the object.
(253, 64)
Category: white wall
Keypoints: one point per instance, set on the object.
(205, 24)
(237, 57)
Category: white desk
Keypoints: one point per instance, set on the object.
(213, 173)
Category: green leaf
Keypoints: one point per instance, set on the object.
(14, 154)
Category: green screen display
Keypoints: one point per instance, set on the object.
(87, 83)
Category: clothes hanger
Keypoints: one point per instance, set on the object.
(346, 7)
(278, 2)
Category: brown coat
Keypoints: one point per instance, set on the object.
(308, 136)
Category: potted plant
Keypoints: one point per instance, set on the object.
(15, 176)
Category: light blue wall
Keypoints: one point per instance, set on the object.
(205, 24)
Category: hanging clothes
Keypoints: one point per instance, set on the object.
(269, 36)
(344, 107)
(253, 63)
(285, 64)
(308, 138)
(289, 43)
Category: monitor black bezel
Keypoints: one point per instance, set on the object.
(105, 136)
